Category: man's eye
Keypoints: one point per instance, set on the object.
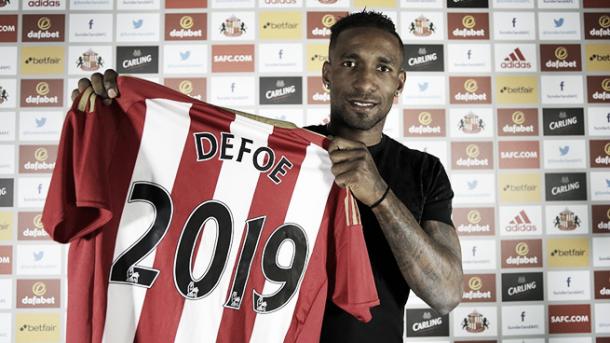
(384, 69)
(349, 64)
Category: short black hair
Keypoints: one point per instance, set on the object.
(364, 19)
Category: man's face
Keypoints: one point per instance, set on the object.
(364, 74)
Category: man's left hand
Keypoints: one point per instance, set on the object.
(354, 167)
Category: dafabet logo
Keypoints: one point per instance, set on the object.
(600, 218)
(30, 227)
(193, 87)
(472, 155)
(516, 90)
(474, 221)
(42, 60)
(479, 288)
(38, 294)
(185, 26)
(317, 93)
(517, 122)
(468, 25)
(37, 158)
(597, 25)
(424, 122)
(598, 89)
(565, 57)
(521, 188)
(42, 93)
(524, 253)
(470, 90)
(43, 28)
(599, 153)
(319, 23)
(602, 284)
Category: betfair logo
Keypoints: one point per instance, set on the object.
(473, 217)
(606, 85)
(328, 20)
(561, 53)
(425, 118)
(44, 23)
(187, 22)
(185, 87)
(42, 88)
(518, 117)
(472, 150)
(37, 221)
(39, 288)
(475, 283)
(471, 86)
(604, 21)
(522, 249)
(41, 154)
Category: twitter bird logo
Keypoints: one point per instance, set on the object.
(558, 22)
(423, 86)
(38, 255)
(185, 55)
(137, 23)
(563, 150)
(40, 121)
(472, 184)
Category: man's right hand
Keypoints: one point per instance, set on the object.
(103, 85)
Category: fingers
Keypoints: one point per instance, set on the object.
(110, 83)
(338, 143)
(97, 81)
(75, 94)
(338, 156)
(345, 167)
(83, 84)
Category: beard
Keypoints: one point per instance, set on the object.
(357, 120)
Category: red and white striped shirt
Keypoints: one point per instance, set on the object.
(191, 223)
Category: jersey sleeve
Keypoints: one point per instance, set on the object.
(351, 277)
(77, 200)
(439, 194)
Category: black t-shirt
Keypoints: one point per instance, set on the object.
(419, 180)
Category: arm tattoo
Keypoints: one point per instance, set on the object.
(429, 256)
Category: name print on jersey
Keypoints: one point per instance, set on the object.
(263, 158)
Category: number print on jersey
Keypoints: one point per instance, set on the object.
(125, 269)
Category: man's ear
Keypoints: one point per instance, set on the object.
(402, 77)
(326, 73)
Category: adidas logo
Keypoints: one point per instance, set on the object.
(521, 223)
(515, 60)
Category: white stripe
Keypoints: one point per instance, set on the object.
(165, 129)
(306, 209)
(236, 185)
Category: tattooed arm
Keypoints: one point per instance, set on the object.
(429, 256)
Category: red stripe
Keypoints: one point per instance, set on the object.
(129, 131)
(525, 217)
(195, 183)
(272, 201)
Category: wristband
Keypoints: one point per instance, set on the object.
(380, 199)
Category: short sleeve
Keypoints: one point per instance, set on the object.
(351, 280)
(437, 205)
(77, 201)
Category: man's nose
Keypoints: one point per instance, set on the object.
(365, 81)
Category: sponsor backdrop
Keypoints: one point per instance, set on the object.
(512, 95)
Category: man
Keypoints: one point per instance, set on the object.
(404, 195)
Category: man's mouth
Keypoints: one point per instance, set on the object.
(362, 104)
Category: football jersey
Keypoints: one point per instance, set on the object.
(188, 222)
